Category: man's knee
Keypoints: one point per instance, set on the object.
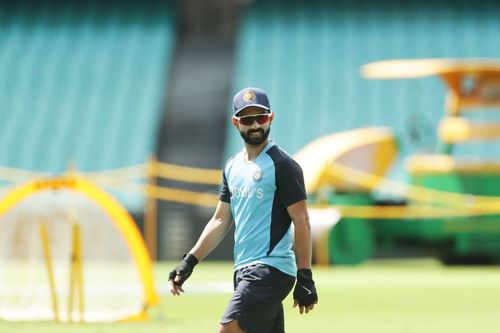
(231, 327)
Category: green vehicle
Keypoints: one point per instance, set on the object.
(451, 206)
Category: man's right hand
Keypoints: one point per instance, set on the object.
(181, 273)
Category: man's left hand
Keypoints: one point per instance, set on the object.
(304, 294)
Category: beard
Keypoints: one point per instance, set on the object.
(252, 140)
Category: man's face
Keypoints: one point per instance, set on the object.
(253, 130)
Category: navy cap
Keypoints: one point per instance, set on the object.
(250, 97)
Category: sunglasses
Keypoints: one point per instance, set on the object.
(259, 118)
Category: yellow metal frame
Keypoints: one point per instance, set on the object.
(459, 129)
(483, 73)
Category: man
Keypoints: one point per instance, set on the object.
(262, 192)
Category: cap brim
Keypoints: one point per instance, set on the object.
(249, 105)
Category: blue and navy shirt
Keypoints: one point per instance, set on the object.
(259, 193)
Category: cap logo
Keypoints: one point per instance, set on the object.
(249, 96)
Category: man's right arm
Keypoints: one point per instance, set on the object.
(212, 235)
(214, 231)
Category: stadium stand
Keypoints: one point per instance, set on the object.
(307, 56)
(193, 126)
(82, 82)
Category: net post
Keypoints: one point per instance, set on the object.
(79, 270)
(48, 262)
(150, 211)
(76, 275)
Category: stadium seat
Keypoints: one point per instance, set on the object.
(82, 82)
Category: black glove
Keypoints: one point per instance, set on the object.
(184, 269)
(305, 290)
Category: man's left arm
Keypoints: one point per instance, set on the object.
(303, 241)
(304, 294)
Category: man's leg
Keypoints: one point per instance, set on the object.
(231, 327)
(279, 322)
(257, 300)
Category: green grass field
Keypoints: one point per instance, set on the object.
(380, 296)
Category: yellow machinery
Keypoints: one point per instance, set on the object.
(451, 203)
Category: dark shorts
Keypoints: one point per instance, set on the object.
(259, 291)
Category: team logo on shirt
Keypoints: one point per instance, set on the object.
(258, 175)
